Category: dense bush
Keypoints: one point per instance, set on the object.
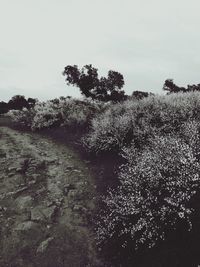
(137, 121)
(3, 107)
(156, 188)
(58, 112)
(23, 117)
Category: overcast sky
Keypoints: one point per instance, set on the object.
(147, 41)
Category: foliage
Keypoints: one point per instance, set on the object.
(3, 107)
(104, 89)
(171, 87)
(140, 94)
(156, 188)
(22, 117)
(58, 112)
(137, 121)
(17, 102)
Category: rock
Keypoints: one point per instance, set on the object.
(32, 182)
(44, 245)
(39, 214)
(36, 215)
(67, 188)
(77, 171)
(53, 160)
(11, 174)
(80, 184)
(72, 193)
(24, 202)
(26, 226)
(21, 190)
(50, 212)
(25, 216)
(19, 169)
(69, 168)
(41, 191)
(3, 209)
(2, 154)
(10, 169)
(79, 208)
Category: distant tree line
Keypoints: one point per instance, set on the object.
(99, 88)
(171, 87)
(17, 102)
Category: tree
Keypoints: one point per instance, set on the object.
(171, 87)
(18, 102)
(31, 102)
(140, 94)
(90, 85)
(3, 107)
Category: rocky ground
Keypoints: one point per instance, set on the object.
(47, 197)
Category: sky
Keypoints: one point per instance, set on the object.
(147, 41)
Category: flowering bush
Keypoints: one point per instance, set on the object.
(79, 113)
(23, 117)
(58, 112)
(136, 121)
(157, 185)
(47, 114)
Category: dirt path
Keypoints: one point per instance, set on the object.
(46, 200)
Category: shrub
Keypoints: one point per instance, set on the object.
(23, 117)
(47, 114)
(136, 121)
(156, 188)
(58, 112)
(77, 113)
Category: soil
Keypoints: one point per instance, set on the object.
(47, 199)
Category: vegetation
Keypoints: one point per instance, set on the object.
(17, 102)
(140, 94)
(171, 87)
(137, 121)
(65, 112)
(156, 189)
(90, 85)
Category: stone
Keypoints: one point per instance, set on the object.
(11, 174)
(21, 190)
(52, 160)
(79, 208)
(69, 168)
(77, 171)
(10, 169)
(24, 202)
(44, 245)
(2, 154)
(19, 169)
(67, 188)
(26, 226)
(36, 215)
(50, 212)
(39, 214)
(72, 193)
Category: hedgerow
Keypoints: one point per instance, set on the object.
(58, 112)
(157, 185)
(137, 121)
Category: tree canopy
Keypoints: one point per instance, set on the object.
(171, 87)
(87, 80)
